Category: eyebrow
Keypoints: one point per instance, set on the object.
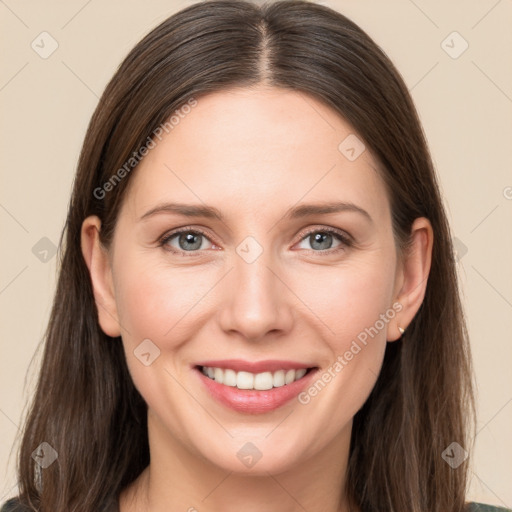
(305, 210)
(210, 212)
(187, 210)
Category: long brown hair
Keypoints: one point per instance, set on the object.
(86, 406)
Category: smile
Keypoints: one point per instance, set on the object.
(259, 381)
(254, 388)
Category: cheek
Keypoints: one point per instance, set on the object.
(165, 304)
(349, 299)
(159, 302)
(162, 304)
(354, 309)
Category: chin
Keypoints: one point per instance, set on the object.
(252, 455)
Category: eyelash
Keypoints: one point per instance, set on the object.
(345, 240)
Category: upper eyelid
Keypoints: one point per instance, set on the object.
(327, 229)
(346, 237)
(170, 234)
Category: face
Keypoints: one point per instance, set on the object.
(252, 276)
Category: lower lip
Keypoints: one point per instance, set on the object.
(252, 401)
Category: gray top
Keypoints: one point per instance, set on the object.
(13, 505)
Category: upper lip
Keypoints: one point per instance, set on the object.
(268, 365)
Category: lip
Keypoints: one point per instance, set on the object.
(269, 365)
(251, 401)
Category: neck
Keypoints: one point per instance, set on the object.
(177, 479)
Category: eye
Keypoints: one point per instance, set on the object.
(323, 239)
(191, 241)
(185, 240)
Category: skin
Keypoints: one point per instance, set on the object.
(295, 301)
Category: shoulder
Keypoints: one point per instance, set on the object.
(13, 505)
(480, 507)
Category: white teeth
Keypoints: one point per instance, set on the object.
(229, 378)
(218, 375)
(263, 381)
(289, 377)
(300, 373)
(259, 381)
(244, 380)
(278, 379)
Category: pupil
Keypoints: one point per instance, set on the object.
(187, 241)
(321, 238)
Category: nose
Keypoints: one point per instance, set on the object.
(257, 303)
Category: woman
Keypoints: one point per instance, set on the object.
(257, 305)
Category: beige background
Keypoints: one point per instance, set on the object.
(465, 105)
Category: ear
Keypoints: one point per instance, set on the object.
(412, 276)
(97, 260)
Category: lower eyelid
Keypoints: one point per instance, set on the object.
(343, 239)
(164, 241)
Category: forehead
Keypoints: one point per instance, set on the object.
(258, 149)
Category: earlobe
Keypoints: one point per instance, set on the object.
(97, 261)
(413, 276)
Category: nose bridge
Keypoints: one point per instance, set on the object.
(257, 301)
